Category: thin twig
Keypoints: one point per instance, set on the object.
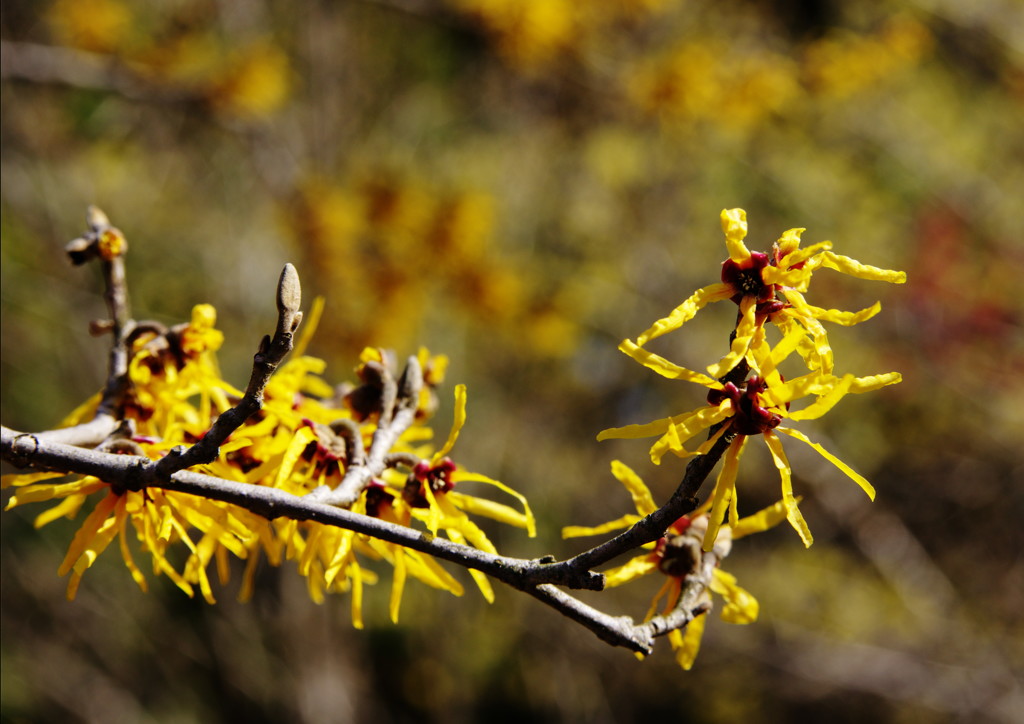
(264, 363)
(105, 242)
(397, 415)
(116, 296)
(690, 604)
(648, 529)
(614, 630)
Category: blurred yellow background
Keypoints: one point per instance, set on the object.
(520, 184)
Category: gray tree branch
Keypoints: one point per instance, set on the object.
(129, 472)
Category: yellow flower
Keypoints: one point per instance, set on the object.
(201, 334)
(158, 518)
(750, 396)
(755, 281)
(428, 494)
(755, 406)
(168, 371)
(175, 396)
(111, 244)
(676, 555)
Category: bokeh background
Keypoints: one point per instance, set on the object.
(520, 184)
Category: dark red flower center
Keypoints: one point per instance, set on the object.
(378, 499)
(438, 477)
(751, 416)
(746, 280)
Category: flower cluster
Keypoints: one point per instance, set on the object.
(308, 435)
(677, 556)
(748, 395)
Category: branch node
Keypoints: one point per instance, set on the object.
(23, 449)
(135, 478)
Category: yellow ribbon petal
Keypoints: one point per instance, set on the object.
(578, 531)
(760, 521)
(725, 490)
(741, 343)
(687, 426)
(528, 519)
(850, 472)
(740, 607)
(837, 390)
(633, 432)
(642, 499)
(793, 514)
(84, 536)
(68, 507)
(687, 645)
(734, 225)
(40, 492)
(632, 569)
(686, 311)
(457, 423)
(397, 587)
(845, 319)
(21, 479)
(846, 265)
(303, 436)
(665, 368)
(311, 320)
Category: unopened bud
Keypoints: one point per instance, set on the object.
(79, 250)
(289, 291)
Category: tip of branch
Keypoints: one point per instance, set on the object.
(412, 380)
(289, 291)
(78, 250)
(96, 219)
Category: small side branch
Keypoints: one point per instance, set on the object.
(614, 630)
(266, 360)
(650, 528)
(692, 601)
(106, 243)
(398, 412)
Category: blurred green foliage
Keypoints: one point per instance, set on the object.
(520, 184)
